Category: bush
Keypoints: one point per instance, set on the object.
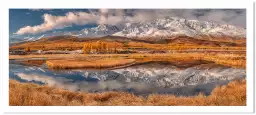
(126, 44)
(27, 49)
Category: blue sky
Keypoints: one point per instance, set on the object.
(19, 18)
(36, 22)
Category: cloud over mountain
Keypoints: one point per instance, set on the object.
(115, 16)
(52, 22)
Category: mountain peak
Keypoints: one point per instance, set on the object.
(163, 28)
(172, 26)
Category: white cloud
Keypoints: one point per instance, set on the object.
(115, 16)
(52, 22)
(69, 84)
(225, 16)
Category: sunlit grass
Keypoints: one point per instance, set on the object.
(63, 44)
(99, 63)
(28, 94)
(115, 60)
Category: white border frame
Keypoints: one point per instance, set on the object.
(4, 70)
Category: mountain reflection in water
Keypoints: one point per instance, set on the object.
(143, 79)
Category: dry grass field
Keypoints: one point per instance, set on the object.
(99, 63)
(110, 60)
(179, 43)
(28, 94)
(106, 54)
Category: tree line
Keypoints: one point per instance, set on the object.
(100, 47)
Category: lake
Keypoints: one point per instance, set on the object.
(140, 79)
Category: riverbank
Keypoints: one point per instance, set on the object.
(63, 61)
(98, 64)
(28, 94)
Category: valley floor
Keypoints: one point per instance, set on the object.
(76, 61)
(153, 63)
(22, 94)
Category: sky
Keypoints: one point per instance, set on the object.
(36, 22)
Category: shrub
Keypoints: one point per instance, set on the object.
(27, 49)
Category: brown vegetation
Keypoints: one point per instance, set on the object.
(180, 43)
(48, 56)
(32, 62)
(103, 54)
(28, 94)
(99, 63)
(27, 49)
(101, 47)
(234, 60)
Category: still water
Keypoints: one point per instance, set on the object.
(143, 79)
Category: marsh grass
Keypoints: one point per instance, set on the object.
(28, 94)
(182, 44)
(100, 63)
(116, 60)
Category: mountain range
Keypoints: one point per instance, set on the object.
(154, 30)
(166, 28)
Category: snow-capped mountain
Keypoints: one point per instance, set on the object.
(162, 28)
(101, 30)
(167, 28)
(171, 27)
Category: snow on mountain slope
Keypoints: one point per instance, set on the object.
(101, 30)
(162, 28)
(167, 27)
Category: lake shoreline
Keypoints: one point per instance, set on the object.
(234, 60)
(233, 94)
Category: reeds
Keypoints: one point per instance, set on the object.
(28, 94)
(109, 60)
(110, 45)
(100, 63)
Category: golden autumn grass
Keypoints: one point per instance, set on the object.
(182, 43)
(32, 62)
(111, 60)
(28, 94)
(99, 63)
(48, 56)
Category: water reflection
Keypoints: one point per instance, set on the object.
(139, 79)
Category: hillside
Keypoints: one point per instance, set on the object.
(75, 43)
(154, 30)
